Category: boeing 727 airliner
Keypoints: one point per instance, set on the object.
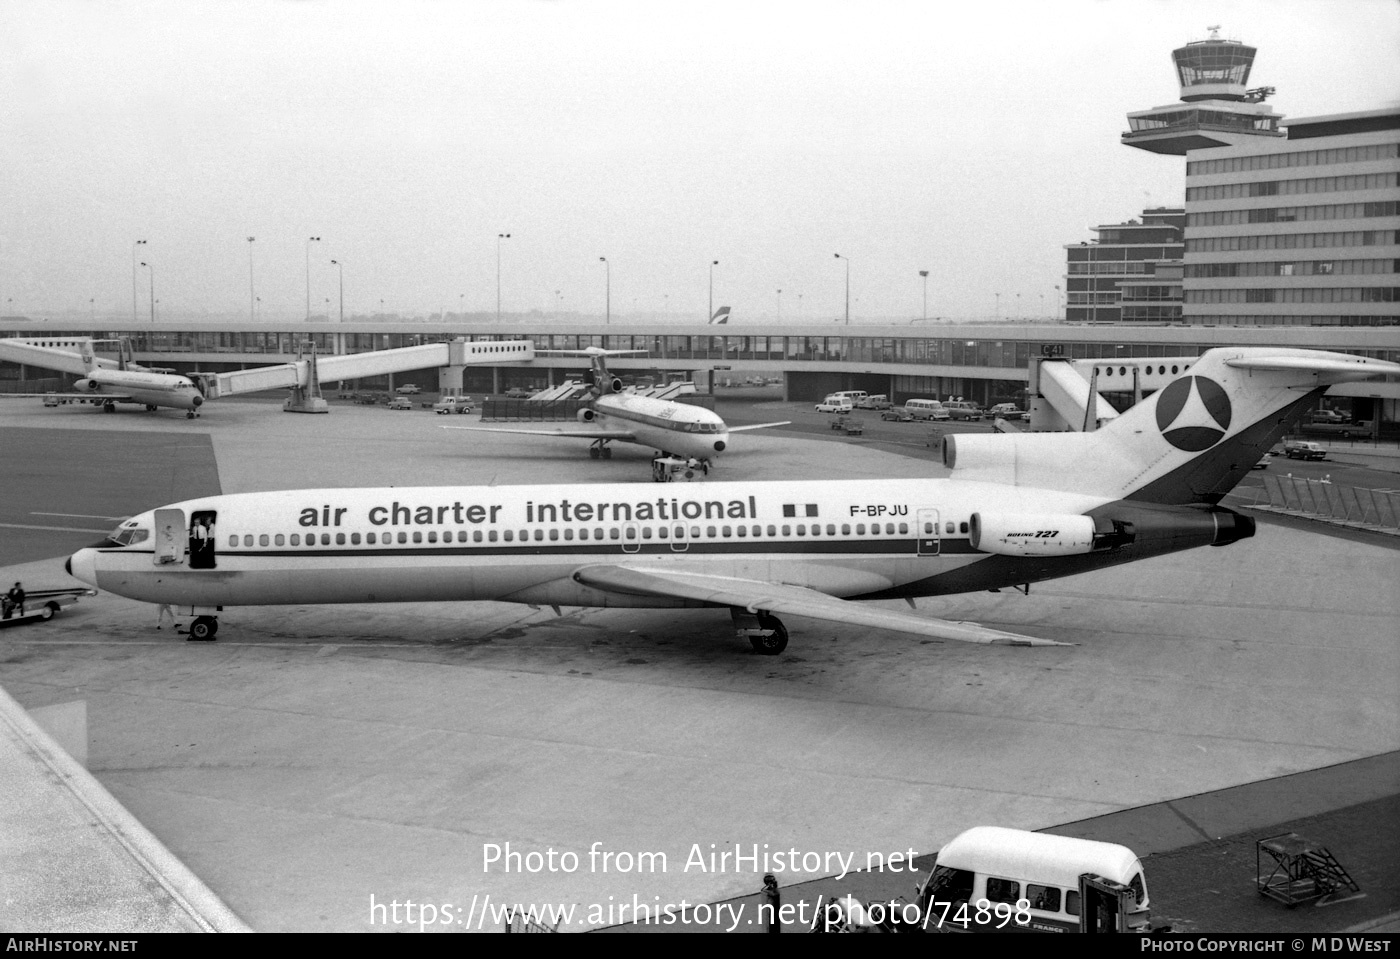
(673, 429)
(1018, 509)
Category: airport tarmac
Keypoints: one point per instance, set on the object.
(318, 760)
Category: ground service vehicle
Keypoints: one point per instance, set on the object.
(408, 389)
(453, 404)
(835, 404)
(878, 401)
(926, 410)
(519, 393)
(856, 397)
(1303, 450)
(990, 877)
(400, 403)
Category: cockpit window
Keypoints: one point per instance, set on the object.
(130, 536)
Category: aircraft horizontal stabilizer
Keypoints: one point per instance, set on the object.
(759, 426)
(1357, 367)
(565, 434)
(756, 595)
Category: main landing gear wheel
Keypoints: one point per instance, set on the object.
(775, 642)
(203, 628)
(607, 452)
(593, 452)
(189, 414)
(109, 407)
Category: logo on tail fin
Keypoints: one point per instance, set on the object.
(1193, 413)
(721, 315)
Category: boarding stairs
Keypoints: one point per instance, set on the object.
(1299, 870)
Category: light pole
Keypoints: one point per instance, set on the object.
(1018, 306)
(848, 288)
(924, 274)
(340, 268)
(133, 277)
(711, 315)
(780, 306)
(998, 296)
(252, 293)
(309, 240)
(499, 238)
(153, 289)
(607, 290)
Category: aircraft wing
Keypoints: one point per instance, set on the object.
(755, 595)
(565, 434)
(99, 397)
(758, 426)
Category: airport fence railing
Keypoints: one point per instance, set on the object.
(1377, 509)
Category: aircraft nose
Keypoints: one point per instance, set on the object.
(82, 565)
(719, 446)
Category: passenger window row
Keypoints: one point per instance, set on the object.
(678, 531)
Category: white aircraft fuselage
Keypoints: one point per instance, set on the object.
(152, 389)
(675, 428)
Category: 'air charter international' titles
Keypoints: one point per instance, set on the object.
(564, 511)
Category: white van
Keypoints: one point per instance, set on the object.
(925, 410)
(835, 403)
(857, 397)
(1029, 876)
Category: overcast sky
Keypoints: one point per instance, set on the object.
(972, 141)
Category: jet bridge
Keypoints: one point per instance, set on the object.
(304, 376)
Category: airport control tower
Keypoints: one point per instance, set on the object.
(1216, 109)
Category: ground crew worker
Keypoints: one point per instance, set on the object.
(15, 600)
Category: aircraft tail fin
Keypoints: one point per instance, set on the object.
(1190, 442)
(721, 316)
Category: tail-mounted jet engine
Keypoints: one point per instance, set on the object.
(1028, 534)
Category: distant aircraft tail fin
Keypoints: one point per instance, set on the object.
(721, 316)
(1190, 442)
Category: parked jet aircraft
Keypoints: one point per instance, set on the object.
(123, 381)
(1018, 509)
(128, 383)
(674, 429)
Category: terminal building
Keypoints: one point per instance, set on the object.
(1290, 236)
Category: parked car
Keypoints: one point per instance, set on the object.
(878, 401)
(1006, 411)
(1329, 416)
(408, 389)
(963, 410)
(898, 415)
(400, 403)
(835, 404)
(1303, 450)
(453, 404)
(519, 393)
